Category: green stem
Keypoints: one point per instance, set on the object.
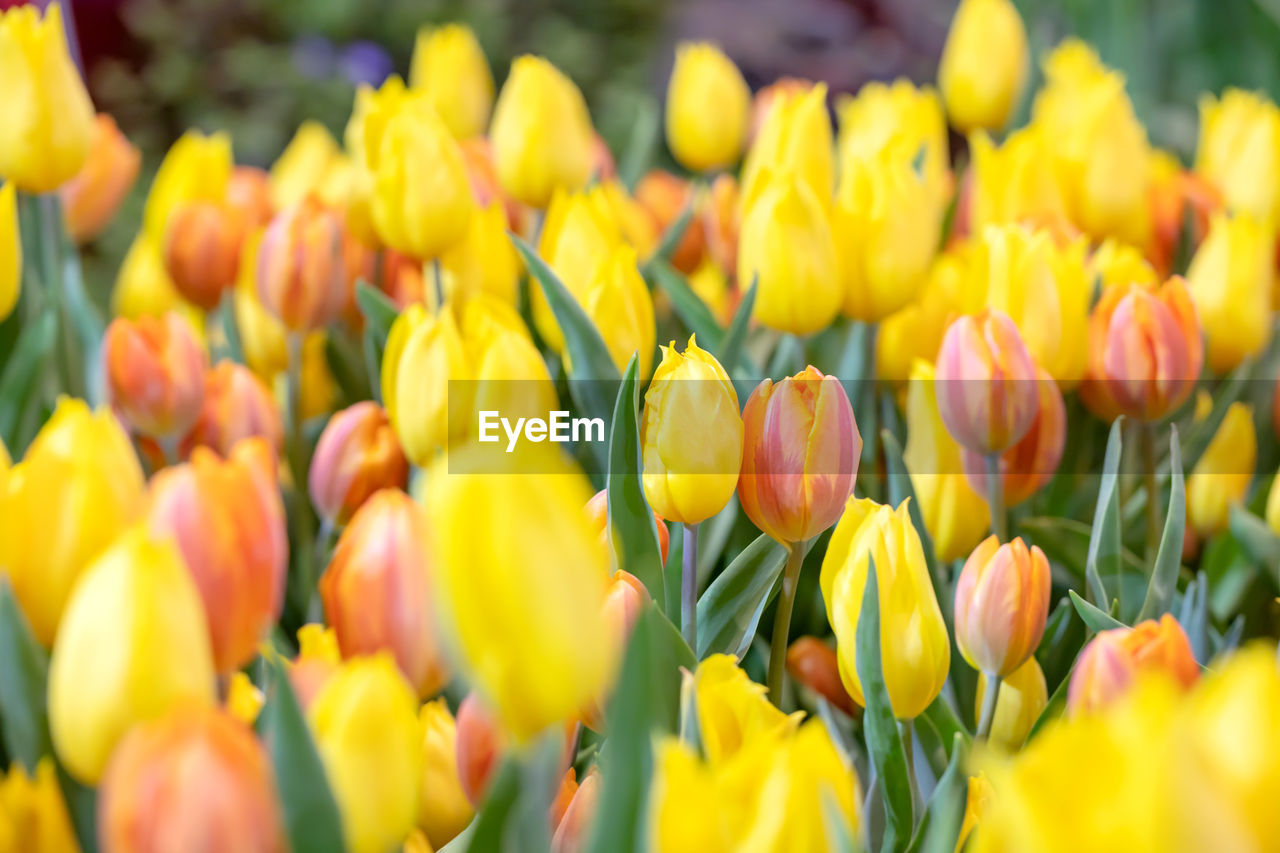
(437, 276)
(995, 497)
(689, 587)
(1147, 447)
(782, 622)
(905, 731)
(69, 368)
(296, 453)
(989, 698)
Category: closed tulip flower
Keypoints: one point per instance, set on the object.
(1239, 151)
(1118, 264)
(357, 454)
(197, 168)
(91, 198)
(46, 120)
(449, 67)
(984, 65)
(484, 261)
(237, 405)
(786, 247)
(733, 711)
(1023, 698)
(133, 645)
(1030, 464)
(202, 251)
(155, 374)
(365, 725)
(537, 667)
(249, 197)
(707, 108)
(914, 332)
(143, 287)
(620, 305)
(799, 456)
(795, 139)
(897, 115)
(573, 831)
(479, 749)
(1222, 474)
(1015, 183)
(213, 776)
(914, 672)
(597, 510)
(1230, 279)
(78, 486)
(376, 591)
(10, 251)
(665, 196)
(813, 664)
(35, 816)
(986, 383)
(541, 132)
(690, 436)
(578, 238)
(443, 808)
(625, 599)
(1112, 661)
(1002, 601)
(307, 162)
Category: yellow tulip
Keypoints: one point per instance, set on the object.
(733, 711)
(244, 699)
(132, 646)
(541, 133)
(637, 224)
(1023, 696)
(1015, 182)
(915, 671)
(33, 814)
(443, 809)
(712, 286)
(366, 730)
(786, 247)
(46, 117)
(143, 287)
(1239, 151)
(1116, 264)
(795, 139)
(915, 331)
(483, 261)
(977, 800)
(536, 667)
(196, 168)
(450, 68)
(1222, 475)
(954, 514)
(690, 436)
(309, 160)
(10, 251)
(578, 237)
(696, 808)
(983, 69)
(1230, 279)
(886, 225)
(896, 115)
(620, 305)
(76, 488)
(708, 104)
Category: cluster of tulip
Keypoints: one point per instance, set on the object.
(262, 587)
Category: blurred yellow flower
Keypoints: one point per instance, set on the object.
(796, 139)
(450, 68)
(1239, 151)
(443, 808)
(1230, 279)
(708, 104)
(196, 168)
(896, 115)
(10, 250)
(310, 159)
(33, 815)
(983, 69)
(1222, 474)
(1015, 183)
(733, 711)
(1023, 697)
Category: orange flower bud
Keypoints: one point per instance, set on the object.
(1030, 464)
(249, 195)
(1111, 662)
(625, 598)
(564, 795)
(799, 455)
(987, 393)
(357, 454)
(814, 664)
(597, 514)
(477, 156)
(202, 251)
(402, 279)
(666, 196)
(376, 591)
(154, 370)
(237, 405)
(720, 223)
(196, 779)
(480, 746)
(571, 833)
(1002, 601)
(307, 265)
(228, 521)
(92, 197)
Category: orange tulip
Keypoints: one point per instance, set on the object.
(572, 830)
(202, 251)
(154, 370)
(228, 520)
(814, 664)
(402, 279)
(1111, 662)
(597, 513)
(479, 745)
(1030, 464)
(90, 199)
(357, 454)
(799, 455)
(237, 405)
(1002, 601)
(376, 591)
(666, 196)
(625, 598)
(249, 195)
(196, 779)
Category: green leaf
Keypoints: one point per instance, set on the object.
(674, 234)
(310, 811)
(730, 351)
(1194, 617)
(944, 814)
(638, 154)
(884, 742)
(1054, 708)
(378, 310)
(1255, 537)
(635, 534)
(514, 815)
(22, 373)
(82, 808)
(1164, 574)
(1104, 541)
(345, 363)
(1095, 619)
(730, 608)
(692, 311)
(24, 670)
(230, 328)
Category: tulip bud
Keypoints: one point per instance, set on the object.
(365, 725)
(573, 830)
(707, 107)
(78, 486)
(814, 664)
(983, 69)
(1230, 280)
(318, 661)
(1112, 661)
(541, 132)
(1002, 601)
(228, 520)
(1030, 464)
(1023, 697)
(666, 196)
(249, 197)
(986, 383)
(688, 478)
(721, 221)
(197, 168)
(46, 118)
(1014, 182)
(794, 140)
(311, 156)
(449, 67)
(480, 747)
(443, 807)
(35, 813)
(620, 306)
(202, 251)
(376, 591)
(786, 247)
(91, 198)
(484, 261)
(237, 405)
(597, 510)
(357, 455)
(799, 455)
(143, 287)
(914, 672)
(132, 646)
(897, 115)
(1238, 151)
(211, 773)
(307, 265)
(402, 278)
(733, 713)
(1222, 474)
(155, 373)
(625, 598)
(769, 98)
(564, 795)
(10, 251)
